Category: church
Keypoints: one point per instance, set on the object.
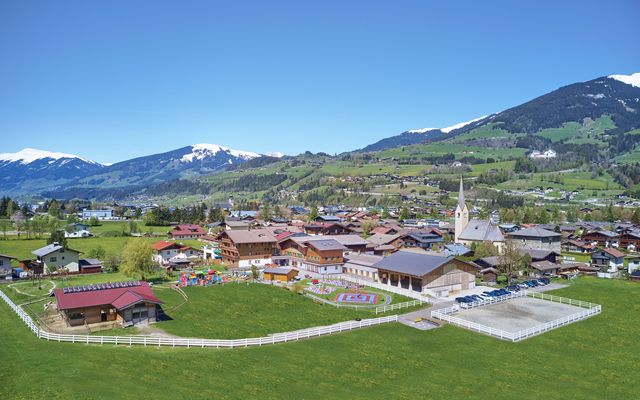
(475, 231)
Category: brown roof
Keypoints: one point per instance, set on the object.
(613, 252)
(251, 236)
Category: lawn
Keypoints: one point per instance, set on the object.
(591, 359)
(242, 310)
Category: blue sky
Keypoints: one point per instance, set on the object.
(120, 79)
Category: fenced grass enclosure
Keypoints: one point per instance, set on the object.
(195, 342)
(448, 315)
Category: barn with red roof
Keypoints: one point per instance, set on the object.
(124, 303)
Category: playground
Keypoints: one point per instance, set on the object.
(201, 278)
(345, 293)
(357, 298)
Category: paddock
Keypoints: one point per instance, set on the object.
(521, 317)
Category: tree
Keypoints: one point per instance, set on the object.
(57, 236)
(513, 260)
(137, 256)
(254, 272)
(313, 213)
(266, 213)
(635, 217)
(385, 212)
(484, 249)
(93, 221)
(404, 214)
(5, 225)
(18, 220)
(216, 215)
(367, 226)
(97, 253)
(113, 262)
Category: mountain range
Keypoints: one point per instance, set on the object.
(581, 114)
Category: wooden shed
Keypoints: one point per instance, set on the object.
(280, 274)
(489, 275)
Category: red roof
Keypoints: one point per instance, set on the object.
(613, 252)
(120, 297)
(187, 229)
(283, 235)
(163, 245)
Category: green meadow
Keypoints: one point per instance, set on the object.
(591, 359)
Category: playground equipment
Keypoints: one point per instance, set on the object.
(200, 278)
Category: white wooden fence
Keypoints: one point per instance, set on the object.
(389, 288)
(590, 309)
(397, 306)
(193, 342)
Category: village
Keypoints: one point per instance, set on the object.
(351, 264)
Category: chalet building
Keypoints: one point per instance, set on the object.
(387, 230)
(577, 246)
(54, 257)
(175, 254)
(427, 274)
(123, 303)
(327, 229)
(536, 238)
(423, 240)
(353, 243)
(242, 249)
(601, 238)
(362, 266)
(187, 231)
(384, 239)
(279, 274)
(323, 256)
(630, 240)
(608, 259)
(237, 225)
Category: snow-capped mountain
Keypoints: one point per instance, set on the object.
(185, 162)
(633, 79)
(31, 169)
(415, 136)
(616, 96)
(447, 129)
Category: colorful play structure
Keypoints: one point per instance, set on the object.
(200, 278)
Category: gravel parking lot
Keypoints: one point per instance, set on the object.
(518, 314)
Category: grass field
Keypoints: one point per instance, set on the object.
(22, 248)
(591, 359)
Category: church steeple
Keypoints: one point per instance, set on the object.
(461, 204)
(461, 214)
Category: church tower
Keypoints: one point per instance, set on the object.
(462, 214)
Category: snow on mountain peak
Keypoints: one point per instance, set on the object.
(202, 150)
(633, 79)
(447, 129)
(29, 155)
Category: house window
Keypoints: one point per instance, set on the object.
(52, 259)
(1, 262)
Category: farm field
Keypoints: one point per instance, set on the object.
(390, 361)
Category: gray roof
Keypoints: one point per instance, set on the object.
(48, 249)
(539, 253)
(382, 238)
(493, 261)
(89, 261)
(278, 270)
(326, 244)
(535, 232)
(481, 230)
(6, 256)
(367, 260)
(411, 263)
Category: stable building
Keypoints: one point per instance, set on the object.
(362, 265)
(425, 273)
(279, 274)
(123, 303)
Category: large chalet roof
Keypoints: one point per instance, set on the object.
(250, 236)
(411, 263)
(382, 238)
(481, 230)
(326, 244)
(119, 295)
(535, 232)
